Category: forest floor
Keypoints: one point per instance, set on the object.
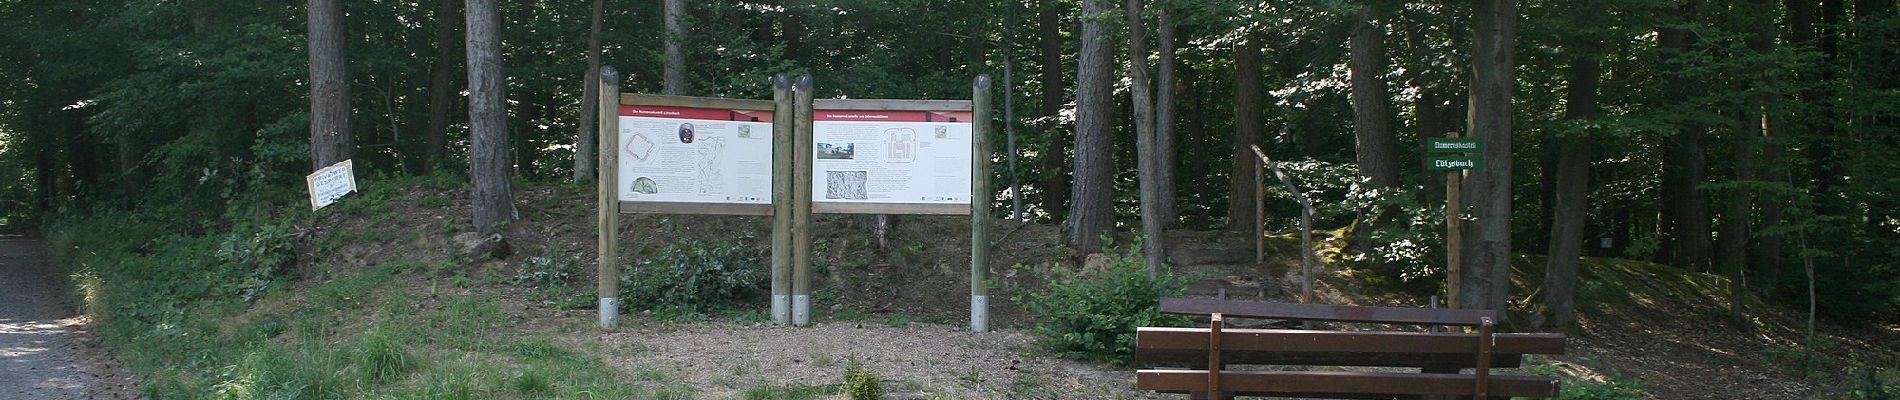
(898, 306)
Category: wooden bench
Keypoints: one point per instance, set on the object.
(1439, 356)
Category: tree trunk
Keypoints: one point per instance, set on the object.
(1146, 146)
(1055, 185)
(590, 102)
(1735, 233)
(488, 120)
(1372, 115)
(441, 89)
(1826, 167)
(1094, 169)
(675, 74)
(1487, 254)
(1685, 214)
(1571, 200)
(1247, 125)
(1166, 88)
(330, 140)
(1800, 34)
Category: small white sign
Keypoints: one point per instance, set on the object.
(331, 183)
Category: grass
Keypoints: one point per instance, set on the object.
(193, 326)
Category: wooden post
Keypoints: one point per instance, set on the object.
(609, 172)
(1259, 212)
(801, 201)
(1306, 253)
(980, 198)
(1306, 227)
(782, 167)
(1454, 240)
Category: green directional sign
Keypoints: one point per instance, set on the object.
(1453, 163)
(1453, 145)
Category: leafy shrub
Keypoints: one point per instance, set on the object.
(1093, 313)
(860, 383)
(1407, 234)
(260, 253)
(691, 275)
(1870, 385)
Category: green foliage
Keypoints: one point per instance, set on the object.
(261, 253)
(1094, 313)
(1574, 388)
(1871, 383)
(861, 383)
(548, 276)
(1405, 232)
(173, 305)
(690, 276)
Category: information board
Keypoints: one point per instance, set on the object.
(891, 157)
(677, 154)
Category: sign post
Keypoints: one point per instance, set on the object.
(782, 208)
(609, 175)
(980, 206)
(1454, 155)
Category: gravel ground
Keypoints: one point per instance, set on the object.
(922, 361)
(45, 351)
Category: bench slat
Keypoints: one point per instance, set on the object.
(1305, 341)
(1422, 361)
(1342, 384)
(1323, 312)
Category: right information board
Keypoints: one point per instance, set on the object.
(891, 157)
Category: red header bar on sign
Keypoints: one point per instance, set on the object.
(715, 114)
(871, 116)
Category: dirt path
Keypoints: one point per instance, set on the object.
(45, 352)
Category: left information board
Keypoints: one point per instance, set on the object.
(677, 152)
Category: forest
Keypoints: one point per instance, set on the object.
(1743, 138)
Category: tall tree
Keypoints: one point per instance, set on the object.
(590, 93)
(1487, 253)
(1570, 200)
(1685, 206)
(1733, 233)
(1146, 151)
(330, 137)
(1247, 125)
(488, 119)
(1055, 185)
(1371, 112)
(441, 90)
(675, 74)
(1166, 85)
(1094, 169)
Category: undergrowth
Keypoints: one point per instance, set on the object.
(692, 277)
(217, 309)
(1615, 387)
(1093, 313)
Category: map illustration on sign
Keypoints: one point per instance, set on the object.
(695, 155)
(891, 157)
